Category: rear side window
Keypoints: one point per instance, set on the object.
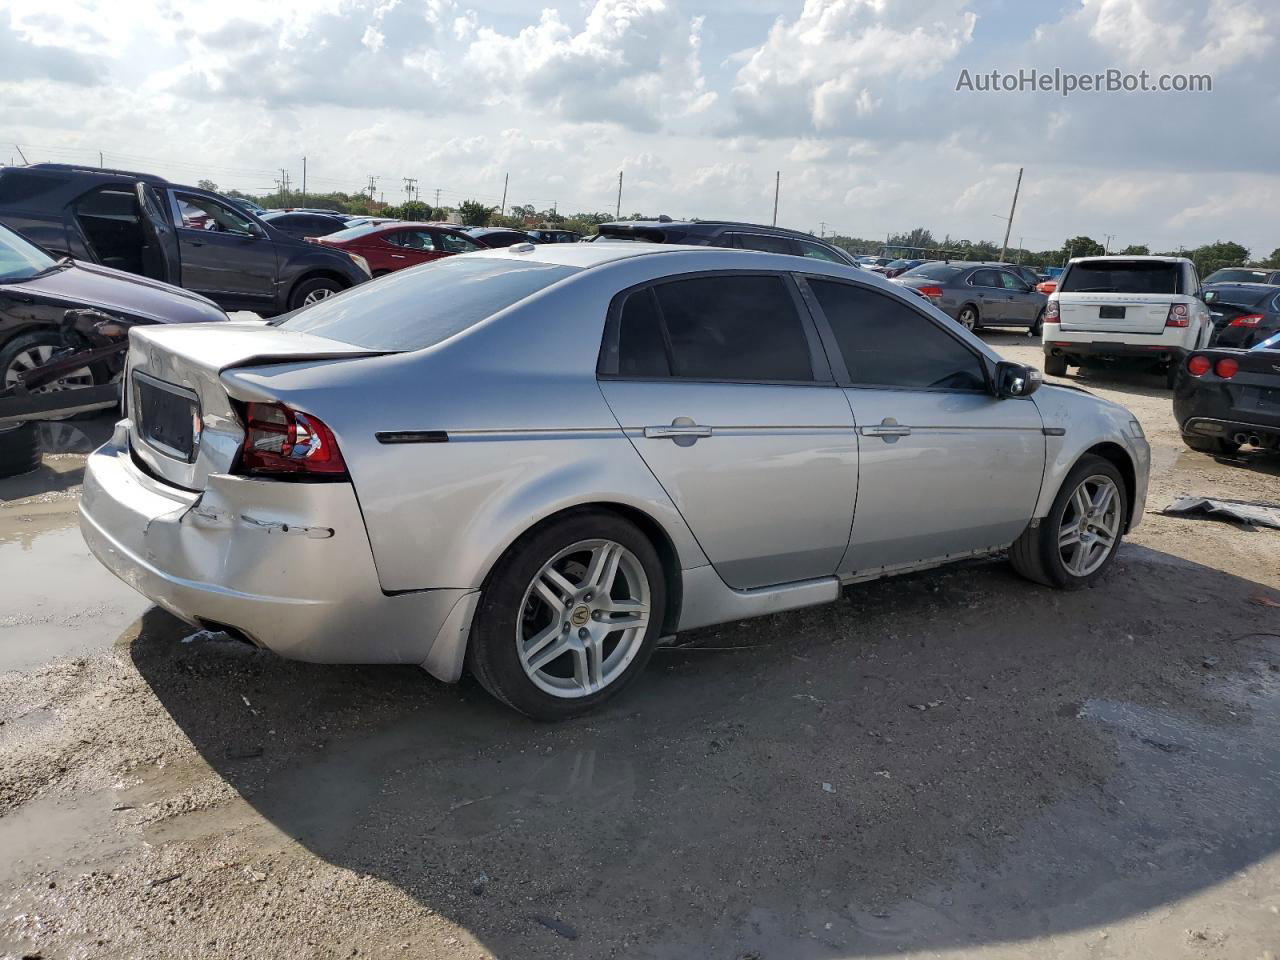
(1122, 276)
(416, 308)
(985, 278)
(715, 328)
(886, 343)
(18, 186)
(818, 252)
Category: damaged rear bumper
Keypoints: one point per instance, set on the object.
(286, 564)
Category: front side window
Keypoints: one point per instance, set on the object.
(413, 240)
(1010, 282)
(205, 213)
(725, 327)
(818, 252)
(886, 343)
(452, 243)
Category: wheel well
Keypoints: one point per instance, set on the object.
(971, 305)
(1119, 458)
(316, 275)
(656, 536)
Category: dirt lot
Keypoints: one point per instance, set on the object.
(957, 762)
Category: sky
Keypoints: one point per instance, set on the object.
(698, 102)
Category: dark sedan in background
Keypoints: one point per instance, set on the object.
(498, 236)
(978, 295)
(303, 225)
(37, 289)
(725, 233)
(1243, 313)
(1224, 399)
(1244, 275)
(898, 267)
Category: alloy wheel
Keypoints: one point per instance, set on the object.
(583, 618)
(1090, 525)
(315, 296)
(968, 319)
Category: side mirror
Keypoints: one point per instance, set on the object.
(1016, 380)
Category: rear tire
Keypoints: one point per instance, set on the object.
(1055, 366)
(19, 449)
(968, 318)
(568, 586)
(1217, 445)
(1073, 546)
(313, 290)
(1038, 327)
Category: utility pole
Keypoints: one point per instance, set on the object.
(822, 229)
(304, 181)
(100, 163)
(21, 154)
(373, 185)
(1106, 246)
(1009, 223)
(284, 186)
(409, 184)
(618, 213)
(505, 177)
(777, 185)
(437, 198)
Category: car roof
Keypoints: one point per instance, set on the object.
(1119, 258)
(700, 227)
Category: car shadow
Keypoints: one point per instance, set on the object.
(938, 761)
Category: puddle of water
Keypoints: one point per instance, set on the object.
(60, 836)
(57, 599)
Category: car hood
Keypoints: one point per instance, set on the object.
(115, 291)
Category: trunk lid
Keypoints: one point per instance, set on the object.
(184, 423)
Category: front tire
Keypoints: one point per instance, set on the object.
(313, 291)
(1073, 546)
(569, 616)
(32, 350)
(1055, 366)
(19, 449)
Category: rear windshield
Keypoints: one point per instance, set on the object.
(1238, 276)
(1245, 296)
(1121, 276)
(934, 271)
(416, 308)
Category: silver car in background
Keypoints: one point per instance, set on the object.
(536, 462)
(978, 295)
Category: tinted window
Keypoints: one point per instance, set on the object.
(20, 260)
(734, 328)
(412, 309)
(205, 213)
(1121, 276)
(642, 350)
(17, 186)
(934, 271)
(818, 252)
(1010, 282)
(354, 233)
(985, 278)
(885, 342)
(760, 241)
(413, 240)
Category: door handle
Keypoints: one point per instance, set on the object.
(397, 256)
(677, 431)
(887, 429)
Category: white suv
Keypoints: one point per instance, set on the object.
(1146, 307)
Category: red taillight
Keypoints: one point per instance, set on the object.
(1226, 368)
(1179, 316)
(930, 292)
(280, 440)
(1198, 366)
(1051, 312)
(1246, 320)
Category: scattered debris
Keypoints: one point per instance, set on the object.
(828, 788)
(556, 926)
(161, 881)
(1264, 601)
(931, 705)
(1242, 511)
(203, 635)
(482, 882)
(1209, 662)
(121, 806)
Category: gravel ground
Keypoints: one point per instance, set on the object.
(957, 761)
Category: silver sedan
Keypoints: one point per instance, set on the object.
(535, 463)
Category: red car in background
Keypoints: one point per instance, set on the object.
(1047, 286)
(394, 246)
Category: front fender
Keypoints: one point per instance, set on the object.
(1076, 423)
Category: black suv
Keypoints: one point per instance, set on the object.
(724, 233)
(181, 235)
